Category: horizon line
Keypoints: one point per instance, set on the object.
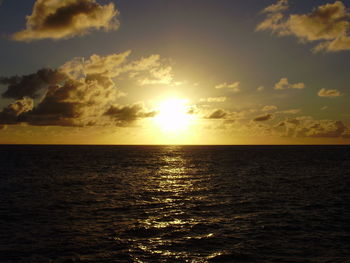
(81, 144)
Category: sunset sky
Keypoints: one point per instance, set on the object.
(174, 72)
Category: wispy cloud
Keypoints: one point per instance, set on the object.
(291, 111)
(269, 108)
(234, 87)
(213, 99)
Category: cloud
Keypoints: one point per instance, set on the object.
(146, 71)
(263, 117)
(330, 93)
(108, 66)
(328, 25)
(232, 87)
(213, 99)
(280, 6)
(74, 103)
(30, 85)
(327, 129)
(150, 71)
(346, 134)
(193, 109)
(82, 92)
(269, 108)
(260, 88)
(19, 106)
(217, 114)
(284, 84)
(10, 114)
(62, 19)
(144, 63)
(129, 113)
(306, 126)
(291, 111)
(158, 76)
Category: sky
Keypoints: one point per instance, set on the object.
(174, 72)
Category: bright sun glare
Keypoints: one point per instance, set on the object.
(173, 115)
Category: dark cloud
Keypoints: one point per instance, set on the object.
(308, 127)
(19, 106)
(217, 114)
(129, 113)
(264, 117)
(330, 129)
(67, 18)
(31, 85)
(280, 124)
(80, 93)
(12, 114)
(58, 108)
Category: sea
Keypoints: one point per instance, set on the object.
(178, 204)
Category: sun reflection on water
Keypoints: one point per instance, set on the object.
(172, 185)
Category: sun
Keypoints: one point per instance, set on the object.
(173, 115)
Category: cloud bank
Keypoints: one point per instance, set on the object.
(308, 127)
(82, 92)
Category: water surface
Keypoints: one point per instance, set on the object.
(175, 204)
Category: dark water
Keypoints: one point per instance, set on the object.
(174, 204)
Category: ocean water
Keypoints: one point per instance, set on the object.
(175, 204)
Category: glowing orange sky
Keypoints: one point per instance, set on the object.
(180, 72)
